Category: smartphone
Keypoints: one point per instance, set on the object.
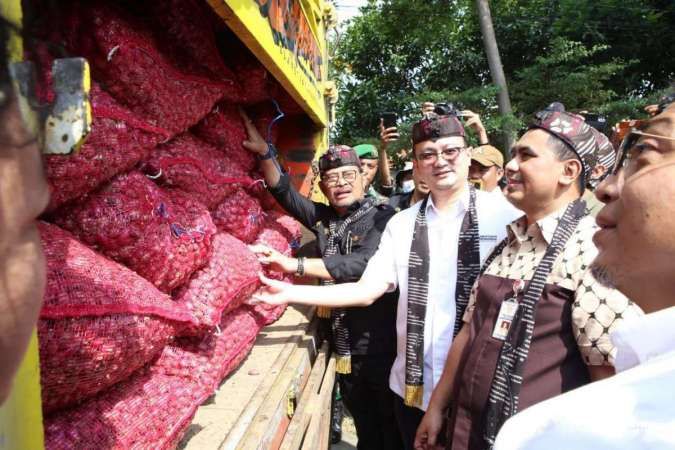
(389, 119)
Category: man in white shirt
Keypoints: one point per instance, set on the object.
(634, 409)
(422, 251)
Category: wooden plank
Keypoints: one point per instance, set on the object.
(272, 414)
(324, 434)
(240, 427)
(298, 426)
(313, 435)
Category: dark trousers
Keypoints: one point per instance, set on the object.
(408, 419)
(366, 394)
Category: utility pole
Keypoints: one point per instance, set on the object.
(495, 63)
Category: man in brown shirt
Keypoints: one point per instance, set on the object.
(537, 323)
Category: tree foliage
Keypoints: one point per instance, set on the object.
(606, 55)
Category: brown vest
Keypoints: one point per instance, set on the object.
(554, 364)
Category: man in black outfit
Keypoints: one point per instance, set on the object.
(348, 233)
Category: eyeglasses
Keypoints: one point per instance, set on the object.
(630, 149)
(333, 179)
(429, 157)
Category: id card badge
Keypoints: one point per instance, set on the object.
(505, 318)
(507, 312)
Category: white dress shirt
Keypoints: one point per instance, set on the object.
(634, 409)
(390, 265)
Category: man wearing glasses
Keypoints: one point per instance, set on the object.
(636, 408)
(538, 280)
(431, 252)
(348, 231)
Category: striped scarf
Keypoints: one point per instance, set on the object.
(468, 267)
(336, 232)
(508, 378)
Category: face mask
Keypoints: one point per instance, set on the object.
(407, 186)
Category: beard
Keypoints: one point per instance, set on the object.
(603, 275)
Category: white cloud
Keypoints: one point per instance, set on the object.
(348, 8)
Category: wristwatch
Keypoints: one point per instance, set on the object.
(300, 271)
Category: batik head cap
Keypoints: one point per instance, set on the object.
(573, 130)
(338, 156)
(433, 127)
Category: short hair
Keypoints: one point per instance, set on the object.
(563, 152)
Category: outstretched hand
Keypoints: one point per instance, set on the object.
(273, 259)
(274, 292)
(255, 142)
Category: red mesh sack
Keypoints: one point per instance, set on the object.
(99, 321)
(287, 225)
(240, 215)
(185, 31)
(224, 129)
(163, 238)
(209, 359)
(266, 314)
(259, 191)
(230, 277)
(125, 57)
(148, 411)
(253, 78)
(275, 235)
(118, 140)
(195, 167)
(280, 232)
(153, 409)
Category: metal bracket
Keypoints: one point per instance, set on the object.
(63, 127)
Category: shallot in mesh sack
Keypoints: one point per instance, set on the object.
(230, 277)
(118, 140)
(186, 34)
(125, 57)
(209, 359)
(281, 232)
(240, 215)
(223, 128)
(99, 322)
(259, 191)
(195, 167)
(164, 238)
(266, 314)
(253, 78)
(277, 233)
(153, 408)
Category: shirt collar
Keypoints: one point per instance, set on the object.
(544, 227)
(459, 207)
(644, 338)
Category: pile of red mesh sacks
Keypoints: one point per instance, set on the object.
(146, 238)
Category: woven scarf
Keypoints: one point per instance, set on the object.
(337, 231)
(508, 378)
(468, 267)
